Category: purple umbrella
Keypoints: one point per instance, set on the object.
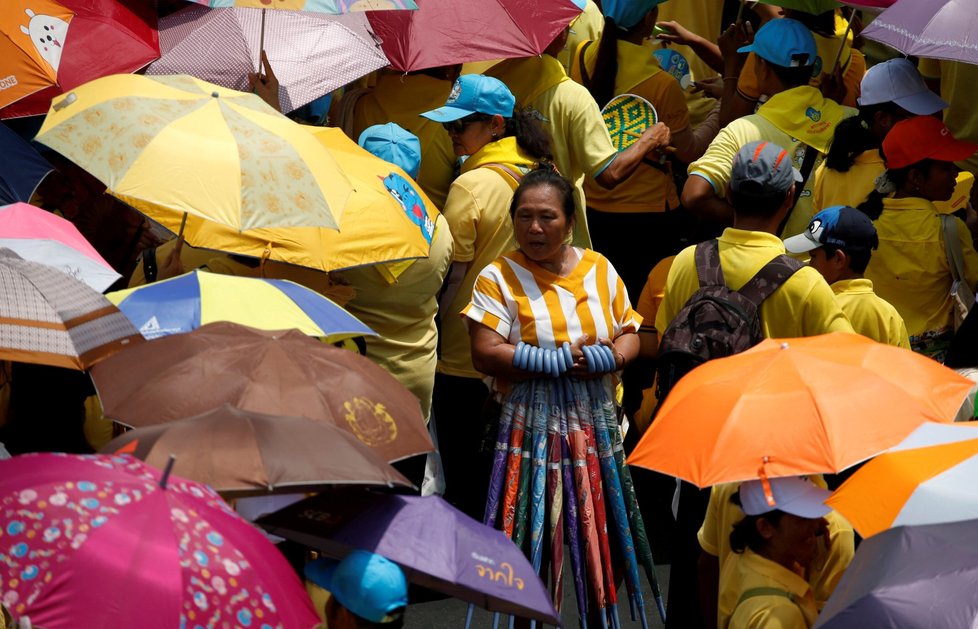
(910, 576)
(938, 29)
(438, 546)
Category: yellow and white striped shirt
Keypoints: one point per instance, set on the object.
(522, 301)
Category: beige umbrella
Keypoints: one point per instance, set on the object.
(50, 318)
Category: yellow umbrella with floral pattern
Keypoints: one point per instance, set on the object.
(176, 144)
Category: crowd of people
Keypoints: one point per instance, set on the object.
(819, 184)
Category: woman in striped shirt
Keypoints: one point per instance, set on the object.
(558, 467)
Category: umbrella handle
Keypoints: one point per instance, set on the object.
(766, 484)
(261, 42)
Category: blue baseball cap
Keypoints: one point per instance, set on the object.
(365, 583)
(475, 94)
(392, 143)
(628, 13)
(784, 42)
(840, 226)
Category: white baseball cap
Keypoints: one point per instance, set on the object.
(793, 494)
(898, 81)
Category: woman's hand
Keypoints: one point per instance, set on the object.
(712, 87)
(736, 36)
(676, 33)
(265, 85)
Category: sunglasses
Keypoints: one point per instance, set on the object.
(458, 127)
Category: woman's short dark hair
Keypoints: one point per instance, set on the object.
(530, 135)
(853, 136)
(745, 534)
(545, 175)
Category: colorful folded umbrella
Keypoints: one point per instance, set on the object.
(21, 168)
(223, 46)
(107, 541)
(446, 32)
(386, 218)
(50, 47)
(50, 318)
(314, 6)
(238, 161)
(41, 236)
(241, 453)
(796, 406)
(438, 546)
(185, 303)
(277, 373)
(928, 478)
(938, 29)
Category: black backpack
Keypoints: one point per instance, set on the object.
(716, 321)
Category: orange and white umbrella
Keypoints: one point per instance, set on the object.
(928, 478)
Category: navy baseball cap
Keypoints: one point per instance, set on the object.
(367, 584)
(762, 168)
(840, 226)
(784, 42)
(475, 94)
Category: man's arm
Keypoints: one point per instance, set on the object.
(701, 199)
(624, 163)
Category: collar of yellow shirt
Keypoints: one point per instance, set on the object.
(529, 77)
(803, 113)
(504, 151)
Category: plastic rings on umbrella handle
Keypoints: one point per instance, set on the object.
(568, 357)
(531, 356)
(538, 360)
(547, 361)
(609, 358)
(592, 364)
(556, 362)
(518, 354)
(606, 365)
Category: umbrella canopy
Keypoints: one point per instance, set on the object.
(333, 54)
(926, 479)
(910, 576)
(99, 541)
(239, 162)
(243, 453)
(815, 7)
(184, 303)
(41, 236)
(317, 6)
(53, 47)
(386, 218)
(796, 406)
(21, 167)
(437, 545)
(446, 32)
(279, 373)
(50, 318)
(939, 29)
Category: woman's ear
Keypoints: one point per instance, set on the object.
(497, 125)
(764, 528)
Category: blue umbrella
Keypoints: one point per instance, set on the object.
(910, 576)
(21, 168)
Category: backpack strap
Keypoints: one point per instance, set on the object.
(708, 269)
(807, 163)
(769, 279)
(767, 591)
(512, 176)
(581, 49)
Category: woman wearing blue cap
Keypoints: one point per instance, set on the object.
(500, 144)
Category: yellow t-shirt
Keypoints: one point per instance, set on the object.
(401, 99)
(830, 562)
(870, 315)
(748, 571)
(958, 82)
(581, 144)
(403, 314)
(803, 306)
(703, 18)
(587, 26)
(910, 269)
(648, 189)
(477, 212)
(715, 164)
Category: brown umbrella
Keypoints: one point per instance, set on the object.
(244, 453)
(279, 373)
(50, 318)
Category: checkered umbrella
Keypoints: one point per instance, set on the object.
(50, 318)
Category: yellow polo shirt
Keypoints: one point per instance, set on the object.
(581, 144)
(829, 564)
(403, 314)
(748, 571)
(477, 212)
(910, 269)
(958, 82)
(648, 189)
(803, 306)
(704, 18)
(587, 26)
(869, 315)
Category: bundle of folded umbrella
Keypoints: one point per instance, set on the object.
(556, 362)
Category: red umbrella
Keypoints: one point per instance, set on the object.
(105, 37)
(446, 32)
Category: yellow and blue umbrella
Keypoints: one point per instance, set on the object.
(186, 302)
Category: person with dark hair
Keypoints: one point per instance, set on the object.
(796, 117)
(763, 581)
(367, 591)
(840, 241)
(911, 269)
(569, 308)
(891, 91)
(501, 144)
(631, 223)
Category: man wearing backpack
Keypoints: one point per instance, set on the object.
(794, 300)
